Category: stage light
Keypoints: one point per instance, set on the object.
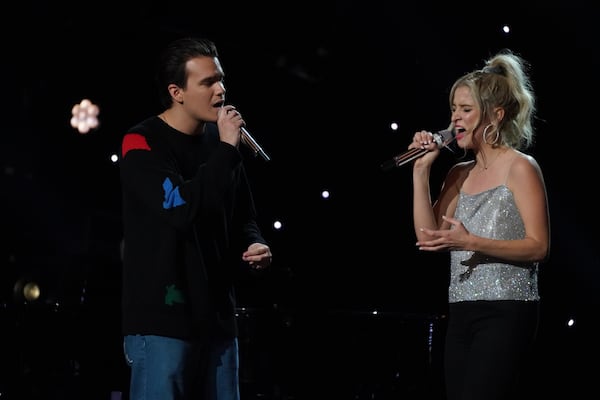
(85, 116)
(31, 291)
(27, 290)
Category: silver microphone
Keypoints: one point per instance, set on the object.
(249, 141)
(441, 138)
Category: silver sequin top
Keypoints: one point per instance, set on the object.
(492, 214)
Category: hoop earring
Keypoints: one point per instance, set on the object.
(485, 133)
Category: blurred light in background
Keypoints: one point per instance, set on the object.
(26, 291)
(85, 116)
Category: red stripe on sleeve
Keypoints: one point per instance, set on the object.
(133, 141)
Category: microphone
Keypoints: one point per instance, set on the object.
(441, 138)
(249, 141)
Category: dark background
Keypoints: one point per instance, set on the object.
(349, 304)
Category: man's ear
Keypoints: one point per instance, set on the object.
(176, 94)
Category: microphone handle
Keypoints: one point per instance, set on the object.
(253, 144)
(403, 158)
(441, 138)
(406, 157)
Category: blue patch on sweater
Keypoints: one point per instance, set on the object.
(172, 196)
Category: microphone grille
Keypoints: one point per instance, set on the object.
(444, 137)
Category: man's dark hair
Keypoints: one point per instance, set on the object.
(171, 64)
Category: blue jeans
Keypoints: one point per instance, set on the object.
(173, 369)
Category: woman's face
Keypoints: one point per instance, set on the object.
(465, 116)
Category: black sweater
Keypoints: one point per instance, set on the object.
(188, 214)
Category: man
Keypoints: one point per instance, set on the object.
(189, 223)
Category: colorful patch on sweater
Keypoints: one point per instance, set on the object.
(172, 196)
(134, 141)
(173, 295)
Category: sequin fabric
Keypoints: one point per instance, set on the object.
(492, 214)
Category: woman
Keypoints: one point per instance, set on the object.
(492, 215)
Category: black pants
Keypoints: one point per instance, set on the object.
(488, 346)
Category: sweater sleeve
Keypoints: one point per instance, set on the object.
(250, 228)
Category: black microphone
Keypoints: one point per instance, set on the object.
(441, 138)
(249, 141)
